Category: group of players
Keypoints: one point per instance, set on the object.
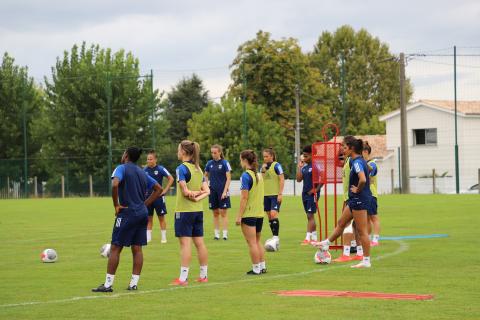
(136, 194)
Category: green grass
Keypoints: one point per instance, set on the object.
(448, 268)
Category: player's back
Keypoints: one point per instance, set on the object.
(133, 189)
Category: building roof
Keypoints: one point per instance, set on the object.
(377, 142)
(465, 108)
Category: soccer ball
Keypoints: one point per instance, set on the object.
(105, 250)
(322, 257)
(49, 256)
(272, 245)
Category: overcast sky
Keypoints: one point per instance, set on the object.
(176, 38)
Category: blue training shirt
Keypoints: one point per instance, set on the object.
(359, 165)
(246, 181)
(307, 178)
(217, 173)
(133, 188)
(157, 172)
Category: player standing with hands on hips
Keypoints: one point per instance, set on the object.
(129, 188)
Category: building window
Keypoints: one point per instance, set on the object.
(422, 137)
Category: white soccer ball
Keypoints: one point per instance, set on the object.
(105, 250)
(272, 245)
(49, 256)
(322, 257)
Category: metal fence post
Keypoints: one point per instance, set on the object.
(392, 180)
(35, 190)
(90, 182)
(434, 181)
(63, 186)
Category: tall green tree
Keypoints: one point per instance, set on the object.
(370, 75)
(20, 104)
(222, 123)
(83, 81)
(187, 97)
(268, 72)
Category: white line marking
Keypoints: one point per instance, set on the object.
(403, 247)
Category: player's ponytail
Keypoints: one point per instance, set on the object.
(192, 149)
(367, 147)
(251, 157)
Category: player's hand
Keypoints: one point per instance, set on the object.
(224, 195)
(354, 189)
(118, 208)
(300, 164)
(238, 221)
(279, 198)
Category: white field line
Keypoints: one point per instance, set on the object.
(403, 247)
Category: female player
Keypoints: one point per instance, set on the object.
(191, 188)
(372, 213)
(274, 181)
(250, 213)
(359, 198)
(304, 173)
(217, 173)
(158, 172)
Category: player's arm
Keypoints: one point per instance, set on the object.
(116, 205)
(243, 206)
(157, 192)
(227, 184)
(281, 182)
(204, 192)
(299, 175)
(170, 181)
(362, 180)
(184, 189)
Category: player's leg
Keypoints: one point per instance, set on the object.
(163, 223)
(201, 247)
(249, 232)
(223, 214)
(361, 221)
(213, 200)
(150, 223)
(375, 221)
(347, 240)
(261, 250)
(343, 222)
(274, 223)
(184, 231)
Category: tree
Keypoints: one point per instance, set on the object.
(20, 104)
(371, 75)
(186, 98)
(89, 84)
(271, 70)
(221, 123)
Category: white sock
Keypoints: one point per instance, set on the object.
(359, 251)
(376, 237)
(149, 235)
(346, 251)
(225, 233)
(134, 280)
(353, 243)
(326, 241)
(109, 280)
(263, 265)
(256, 268)
(217, 233)
(164, 234)
(276, 238)
(203, 272)
(183, 273)
(366, 260)
(314, 236)
(308, 236)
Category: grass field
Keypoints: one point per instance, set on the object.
(448, 268)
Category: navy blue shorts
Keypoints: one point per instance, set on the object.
(159, 206)
(373, 207)
(270, 203)
(254, 222)
(215, 201)
(358, 204)
(130, 229)
(189, 224)
(309, 204)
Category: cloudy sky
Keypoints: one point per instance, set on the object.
(176, 38)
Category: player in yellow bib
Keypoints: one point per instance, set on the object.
(250, 214)
(191, 189)
(274, 182)
(372, 212)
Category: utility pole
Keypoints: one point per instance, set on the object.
(457, 167)
(153, 111)
(297, 124)
(244, 100)
(344, 104)
(25, 154)
(403, 129)
(108, 91)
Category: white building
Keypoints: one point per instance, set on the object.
(431, 143)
